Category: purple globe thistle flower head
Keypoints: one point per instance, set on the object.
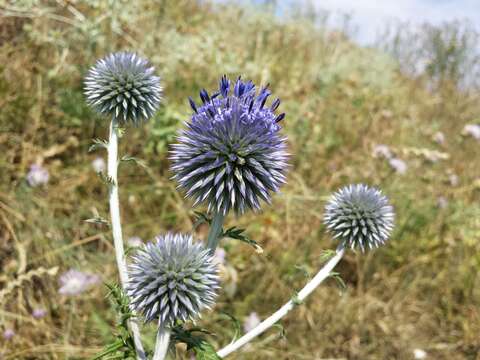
(74, 282)
(37, 176)
(172, 279)
(123, 86)
(231, 154)
(359, 216)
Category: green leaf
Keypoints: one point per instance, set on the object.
(236, 325)
(201, 218)
(197, 343)
(327, 255)
(98, 144)
(339, 280)
(98, 221)
(205, 351)
(139, 162)
(106, 179)
(238, 234)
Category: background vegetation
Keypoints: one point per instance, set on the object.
(420, 291)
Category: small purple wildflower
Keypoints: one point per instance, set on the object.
(37, 176)
(442, 202)
(439, 138)
(135, 241)
(74, 282)
(398, 165)
(231, 155)
(453, 179)
(472, 130)
(382, 151)
(99, 165)
(8, 334)
(39, 313)
(251, 321)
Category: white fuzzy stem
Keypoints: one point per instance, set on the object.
(280, 313)
(117, 227)
(161, 344)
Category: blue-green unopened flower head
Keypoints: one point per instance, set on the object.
(231, 156)
(172, 279)
(123, 86)
(359, 217)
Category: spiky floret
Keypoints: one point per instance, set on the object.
(172, 279)
(359, 216)
(123, 86)
(231, 155)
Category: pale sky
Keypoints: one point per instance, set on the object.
(370, 16)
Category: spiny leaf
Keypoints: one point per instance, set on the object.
(98, 220)
(327, 255)
(106, 179)
(202, 348)
(139, 162)
(201, 218)
(305, 270)
(238, 234)
(339, 280)
(236, 325)
(98, 144)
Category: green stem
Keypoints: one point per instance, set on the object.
(215, 232)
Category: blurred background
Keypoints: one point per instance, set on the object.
(385, 93)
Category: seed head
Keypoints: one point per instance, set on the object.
(231, 155)
(359, 216)
(122, 85)
(172, 279)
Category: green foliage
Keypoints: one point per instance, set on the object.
(123, 347)
(195, 341)
(239, 234)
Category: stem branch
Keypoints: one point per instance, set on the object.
(161, 344)
(112, 150)
(215, 231)
(280, 313)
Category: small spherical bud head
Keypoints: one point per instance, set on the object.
(172, 279)
(123, 86)
(231, 156)
(359, 217)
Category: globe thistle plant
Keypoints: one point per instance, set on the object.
(123, 86)
(172, 279)
(231, 154)
(359, 216)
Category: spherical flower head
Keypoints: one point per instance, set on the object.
(124, 87)
(231, 154)
(172, 279)
(359, 216)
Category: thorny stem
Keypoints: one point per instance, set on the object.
(161, 344)
(112, 150)
(215, 231)
(280, 313)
